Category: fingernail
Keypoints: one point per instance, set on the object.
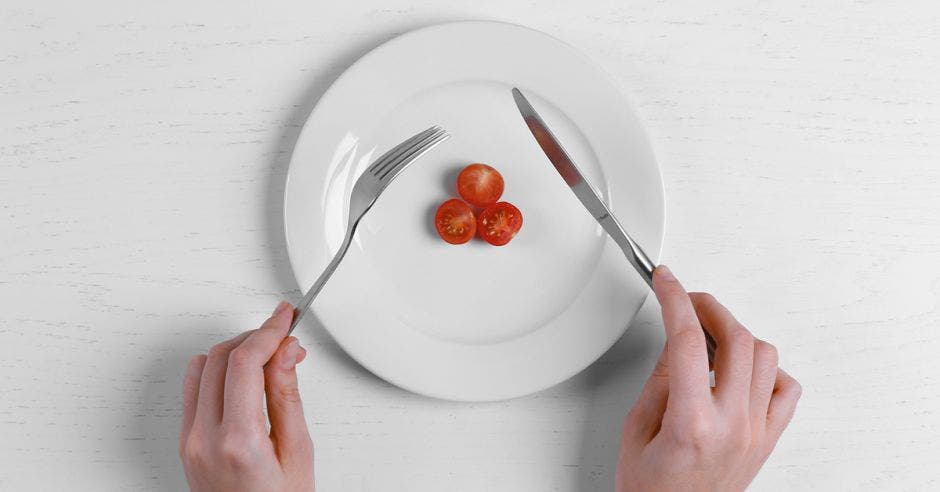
(665, 273)
(289, 360)
(281, 306)
(301, 354)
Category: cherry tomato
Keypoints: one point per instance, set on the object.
(499, 222)
(479, 184)
(455, 222)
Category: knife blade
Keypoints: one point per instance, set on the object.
(588, 197)
(582, 189)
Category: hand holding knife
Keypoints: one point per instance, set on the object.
(586, 195)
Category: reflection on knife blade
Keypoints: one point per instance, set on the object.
(587, 196)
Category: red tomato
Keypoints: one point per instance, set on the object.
(479, 184)
(499, 222)
(455, 222)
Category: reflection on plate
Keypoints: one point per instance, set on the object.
(473, 322)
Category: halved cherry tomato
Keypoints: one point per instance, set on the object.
(499, 222)
(479, 184)
(455, 222)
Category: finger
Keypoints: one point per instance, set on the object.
(763, 379)
(285, 410)
(244, 380)
(734, 356)
(190, 394)
(212, 382)
(783, 401)
(646, 417)
(685, 342)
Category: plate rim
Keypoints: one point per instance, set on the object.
(641, 130)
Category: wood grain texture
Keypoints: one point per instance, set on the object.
(142, 156)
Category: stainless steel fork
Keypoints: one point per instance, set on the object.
(366, 190)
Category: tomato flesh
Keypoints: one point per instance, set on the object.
(455, 222)
(480, 185)
(499, 222)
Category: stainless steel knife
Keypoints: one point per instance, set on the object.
(582, 189)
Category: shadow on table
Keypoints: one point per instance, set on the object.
(152, 436)
(615, 381)
(277, 175)
(151, 442)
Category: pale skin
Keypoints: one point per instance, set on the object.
(224, 440)
(681, 434)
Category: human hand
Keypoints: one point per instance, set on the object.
(224, 441)
(684, 435)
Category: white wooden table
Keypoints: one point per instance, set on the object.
(142, 156)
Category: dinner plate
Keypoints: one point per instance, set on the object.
(473, 322)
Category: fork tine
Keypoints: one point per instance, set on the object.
(407, 154)
(412, 156)
(395, 151)
(405, 150)
(391, 153)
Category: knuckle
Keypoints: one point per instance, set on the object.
(766, 349)
(197, 360)
(766, 353)
(239, 357)
(669, 290)
(787, 396)
(660, 371)
(739, 335)
(794, 389)
(704, 298)
(234, 450)
(218, 351)
(192, 453)
(288, 393)
(740, 339)
(695, 434)
(688, 339)
(739, 439)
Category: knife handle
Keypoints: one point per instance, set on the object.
(644, 265)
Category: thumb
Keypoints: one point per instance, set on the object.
(285, 410)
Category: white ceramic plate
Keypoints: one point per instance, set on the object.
(473, 322)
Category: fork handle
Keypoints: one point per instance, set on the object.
(304, 305)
